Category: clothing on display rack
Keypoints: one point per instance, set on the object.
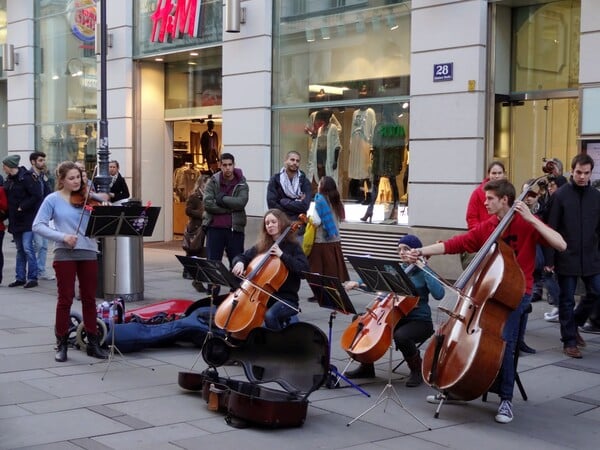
(184, 179)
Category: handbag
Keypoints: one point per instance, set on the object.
(193, 239)
(309, 237)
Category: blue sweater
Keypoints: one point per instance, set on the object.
(66, 218)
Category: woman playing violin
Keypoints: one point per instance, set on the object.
(289, 251)
(523, 233)
(75, 255)
(417, 326)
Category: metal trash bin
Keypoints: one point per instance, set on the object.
(123, 267)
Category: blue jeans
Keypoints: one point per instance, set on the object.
(510, 335)
(278, 314)
(544, 279)
(224, 240)
(40, 245)
(568, 317)
(26, 266)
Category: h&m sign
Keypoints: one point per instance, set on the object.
(172, 19)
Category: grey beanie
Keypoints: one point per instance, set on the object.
(11, 161)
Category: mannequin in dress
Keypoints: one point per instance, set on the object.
(389, 139)
(361, 138)
(325, 146)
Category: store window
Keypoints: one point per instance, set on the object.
(66, 81)
(341, 80)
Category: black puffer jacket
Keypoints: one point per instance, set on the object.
(575, 214)
(24, 199)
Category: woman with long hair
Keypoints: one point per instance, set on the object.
(289, 251)
(326, 256)
(75, 255)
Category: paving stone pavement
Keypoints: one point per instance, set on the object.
(137, 402)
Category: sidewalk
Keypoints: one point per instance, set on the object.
(48, 405)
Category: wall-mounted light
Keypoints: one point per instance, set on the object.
(310, 36)
(391, 23)
(9, 57)
(234, 16)
(325, 33)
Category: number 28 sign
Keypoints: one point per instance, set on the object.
(443, 72)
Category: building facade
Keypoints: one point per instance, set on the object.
(363, 89)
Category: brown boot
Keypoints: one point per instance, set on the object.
(363, 371)
(414, 364)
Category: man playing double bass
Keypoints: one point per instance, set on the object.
(522, 234)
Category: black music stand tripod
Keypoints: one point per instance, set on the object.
(212, 272)
(113, 221)
(387, 276)
(330, 294)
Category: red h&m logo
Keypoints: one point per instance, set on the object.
(172, 19)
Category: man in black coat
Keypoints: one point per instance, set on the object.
(24, 199)
(118, 186)
(289, 190)
(575, 214)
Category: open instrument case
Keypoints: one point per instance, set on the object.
(296, 358)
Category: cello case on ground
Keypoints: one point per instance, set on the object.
(296, 358)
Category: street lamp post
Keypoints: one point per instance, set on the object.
(102, 180)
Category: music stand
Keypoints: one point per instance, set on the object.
(213, 272)
(330, 294)
(388, 276)
(115, 221)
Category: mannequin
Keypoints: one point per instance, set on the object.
(359, 162)
(209, 141)
(389, 140)
(324, 129)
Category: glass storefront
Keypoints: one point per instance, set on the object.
(540, 118)
(341, 79)
(66, 81)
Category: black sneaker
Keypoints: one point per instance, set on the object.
(30, 284)
(16, 283)
(589, 328)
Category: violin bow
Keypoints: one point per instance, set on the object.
(264, 291)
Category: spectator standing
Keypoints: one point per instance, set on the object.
(225, 199)
(3, 216)
(24, 199)
(575, 214)
(326, 256)
(289, 190)
(40, 243)
(118, 186)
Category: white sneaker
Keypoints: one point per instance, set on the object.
(505, 414)
(551, 316)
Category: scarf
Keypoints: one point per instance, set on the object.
(291, 188)
(326, 214)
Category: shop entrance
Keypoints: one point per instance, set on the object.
(196, 150)
(529, 130)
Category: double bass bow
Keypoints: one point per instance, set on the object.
(465, 355)
(244, 309)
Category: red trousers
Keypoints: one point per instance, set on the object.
(86, 272)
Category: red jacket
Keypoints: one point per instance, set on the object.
(520, 235)
(3, 207)
(476, 210)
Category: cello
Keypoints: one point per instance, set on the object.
(244, 309)
(369, 336)
(465, 355)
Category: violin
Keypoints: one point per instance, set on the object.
(244, 309)
(82, 198)
(369, 336)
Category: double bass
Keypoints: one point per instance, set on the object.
(465, 355)
(244, 309)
